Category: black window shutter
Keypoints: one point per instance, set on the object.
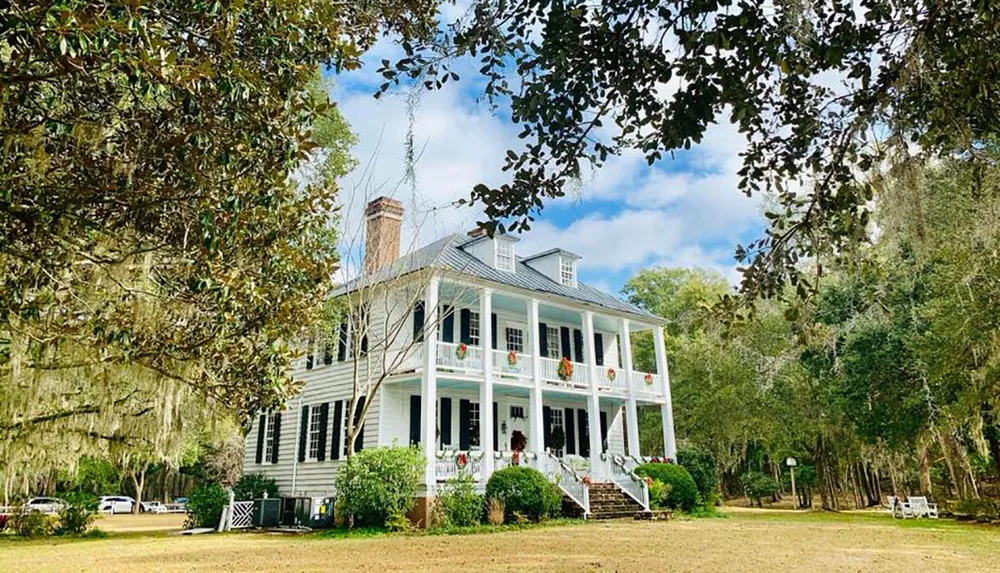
(337, 440)
(359, 433)
(261, 422)
(547, 418)
(493, 332)
(496, 431)
(448, 324)
(604, 431)
(324, 421)
(418, 321)
(543, 339)
(276, 438)
(342, 343)
(465, 326)
(598, 349)
(578, 345)
(583, 427)
(327, 352)
(564, 338)
(303, 433)
(415, 420)
(446, 422)
(309, 357)
(464, 421)
(570, 429)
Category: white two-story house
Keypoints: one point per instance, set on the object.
(484, 350)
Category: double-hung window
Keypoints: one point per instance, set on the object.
(474, 424)
(474, 328)
(269, 422)
(315, 416)
(552, 342)
(557, 422)
(505, 256)
(567, 272)
(515, 339)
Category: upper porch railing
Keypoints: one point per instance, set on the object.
(468, 360)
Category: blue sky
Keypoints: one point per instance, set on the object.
(683, 211)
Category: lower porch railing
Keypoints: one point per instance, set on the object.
(451, 464)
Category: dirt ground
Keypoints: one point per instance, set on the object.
(141, 522)
(746, 541)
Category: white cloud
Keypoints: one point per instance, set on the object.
(676, 213)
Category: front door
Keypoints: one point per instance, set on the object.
(515, 416)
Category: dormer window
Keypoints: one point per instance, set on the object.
(567, 272)
(505, 256)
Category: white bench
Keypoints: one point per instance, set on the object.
(921, 508)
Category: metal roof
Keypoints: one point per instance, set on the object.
(447, 254)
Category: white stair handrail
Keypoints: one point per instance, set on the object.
(571, 483)
(628, 481)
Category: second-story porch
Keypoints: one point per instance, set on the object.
(476, 339)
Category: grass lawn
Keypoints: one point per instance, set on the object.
(746, 541)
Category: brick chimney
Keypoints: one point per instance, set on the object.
(385, 217)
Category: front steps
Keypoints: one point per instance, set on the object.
(606, 502)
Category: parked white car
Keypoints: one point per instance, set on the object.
(152, 507)
(45, 504)
(115, 504)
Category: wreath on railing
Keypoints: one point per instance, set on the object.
(461, 351)
(512, 358)
(565, 371)
(612, 374)
(648, 379)
(462, 460)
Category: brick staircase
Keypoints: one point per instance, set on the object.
(609, 502)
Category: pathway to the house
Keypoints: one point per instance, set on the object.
(745, 541)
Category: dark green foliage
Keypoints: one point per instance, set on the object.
(977, 509)
(204, 506)
(525, 492)
(26, 523)
(461, 505)
(701, 466)
(377, 486)
(77, 515)
(589, 86)
(758, 486)
(254, 486)
(683, 494)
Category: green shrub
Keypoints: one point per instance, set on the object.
(204, 506)
(28, 523)
(254, 486)
(461, 504)
(978, 509)
(758, 486)
(524, 492)
(77, 515)
(683, 494)
(379, 485)
(701, 466)
(659, 493)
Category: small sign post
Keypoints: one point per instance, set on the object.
(791, 466)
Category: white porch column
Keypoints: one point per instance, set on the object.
(428, 387)
(631, 410)
(536, 442)
(594, 401)
(486, 420)
(667, 409)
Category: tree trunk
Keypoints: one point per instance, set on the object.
(923, 465)
(138, 481)
(948, 461)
